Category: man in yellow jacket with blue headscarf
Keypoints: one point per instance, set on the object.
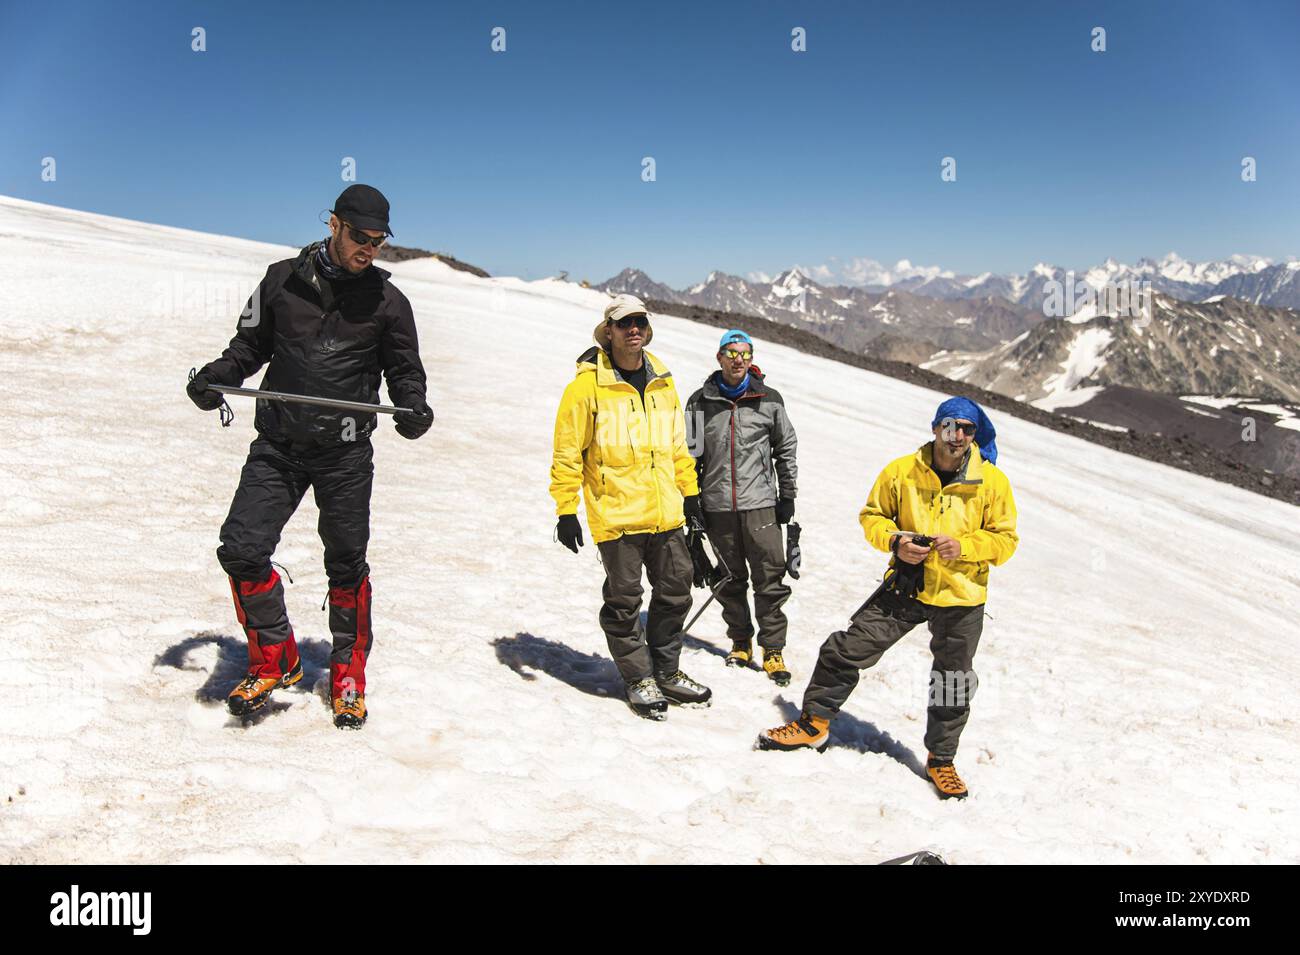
(620, 437)
(947, 514)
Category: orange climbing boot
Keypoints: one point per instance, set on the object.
(350, 711)
(806, 732)
(254, 689)
(944, 776)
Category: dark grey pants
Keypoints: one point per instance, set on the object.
(954, 637)
(751, 544)
(668, 565)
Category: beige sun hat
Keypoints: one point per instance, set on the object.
(620, 306)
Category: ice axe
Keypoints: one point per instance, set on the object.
(227, 416)
(713, 592)
(310, 400)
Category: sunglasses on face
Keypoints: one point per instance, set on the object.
(965, 427)
(360, 238)
(640, 321)
(732, 355)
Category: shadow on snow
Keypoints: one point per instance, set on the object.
(232, 664)
(593, 674)
(852, 733)
(589, 672)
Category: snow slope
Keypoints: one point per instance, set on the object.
(1137, 668)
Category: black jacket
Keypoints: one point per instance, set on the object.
(331, 340)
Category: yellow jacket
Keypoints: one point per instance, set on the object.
(629, 457)
(976, 509)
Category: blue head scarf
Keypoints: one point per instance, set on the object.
(967, 410)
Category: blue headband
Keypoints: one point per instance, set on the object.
(967, 410)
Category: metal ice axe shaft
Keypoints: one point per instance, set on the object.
(726, 576)
(309, 400)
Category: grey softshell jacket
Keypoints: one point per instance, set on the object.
(744, 449)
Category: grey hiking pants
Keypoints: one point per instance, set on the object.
(752, 545)
(668, 565)
(954, 637)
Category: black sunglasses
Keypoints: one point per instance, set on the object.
(627, 321)
(965, 427)
(360, 238)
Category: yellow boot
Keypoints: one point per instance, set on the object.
(774, 667)
(740, 655)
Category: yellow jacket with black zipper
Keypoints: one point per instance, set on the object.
(976, 509)
(629, 456)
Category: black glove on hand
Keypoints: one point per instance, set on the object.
(784, 510)
(202, 395)
(694, 513)
(569, 532)
(411, 426)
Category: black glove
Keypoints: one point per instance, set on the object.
(784, 510)
(569, 532)
(908, 579)
(793, 553)
(202, 395)
(694, 513)
(703, 573)
(411, 425)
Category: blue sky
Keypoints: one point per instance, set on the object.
(529, 161)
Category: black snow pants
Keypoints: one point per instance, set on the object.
(272, 484)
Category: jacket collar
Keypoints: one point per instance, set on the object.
(972, 468)
(597, 359)
(755, 389)
(305, 270)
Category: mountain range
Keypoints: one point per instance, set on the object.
(1208, 328)
(1251, 277)
(1227, 332)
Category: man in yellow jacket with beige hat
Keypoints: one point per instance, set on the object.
(947, 513)
(620, 438)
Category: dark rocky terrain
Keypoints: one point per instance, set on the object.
(401, 253)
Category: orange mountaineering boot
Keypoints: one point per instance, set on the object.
(350, 711)
(806, 732)
(944, 776)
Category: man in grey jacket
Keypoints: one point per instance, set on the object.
(744, 448)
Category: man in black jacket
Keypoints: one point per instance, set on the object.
(329, 323)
